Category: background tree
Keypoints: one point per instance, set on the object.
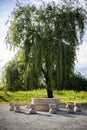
(49, 36)
(11, 77)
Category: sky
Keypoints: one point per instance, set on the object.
(6, 7)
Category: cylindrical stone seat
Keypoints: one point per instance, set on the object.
(70, 107)
(32, 109)
(17, 107)
(27, 105)
(12, 106)
(77, 107)
(52, 109)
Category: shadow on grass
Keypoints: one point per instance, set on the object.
(3, 99)
(59, 93)
(7, 94)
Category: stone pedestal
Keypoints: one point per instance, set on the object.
(32, 109)
(70, 107)
(12, 106)
(77, 107)
(17, 107)
(52, 109)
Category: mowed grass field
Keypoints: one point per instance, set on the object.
(26, 96)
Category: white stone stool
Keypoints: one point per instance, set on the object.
(32, 109)
(70, 107)
(12, 106)
(52, 109)
(77, 107)
(27, 105)
(17, 107)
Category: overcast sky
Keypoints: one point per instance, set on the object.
(6, 7)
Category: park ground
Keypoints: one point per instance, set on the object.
(62, 120)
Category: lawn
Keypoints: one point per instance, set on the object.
(26, 96)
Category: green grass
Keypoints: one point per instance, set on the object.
(71, 96)
(25, 96)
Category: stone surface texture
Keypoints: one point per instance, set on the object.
(43, 103)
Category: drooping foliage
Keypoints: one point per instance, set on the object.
(49, 36)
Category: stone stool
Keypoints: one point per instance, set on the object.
(27, 105)
(52, 109)
(32, 109)
(17, 107)
(77, 107)
(70, 107)
(12, 106)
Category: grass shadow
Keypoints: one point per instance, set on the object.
(3, 99)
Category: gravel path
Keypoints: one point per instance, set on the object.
(10, 120)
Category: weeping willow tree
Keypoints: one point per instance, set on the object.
(49, 36)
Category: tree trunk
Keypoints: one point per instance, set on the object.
(49, 93)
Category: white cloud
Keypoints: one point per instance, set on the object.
(37, 2)
(82, 55)
(81, 65)
(47, 1)
(6, 54)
